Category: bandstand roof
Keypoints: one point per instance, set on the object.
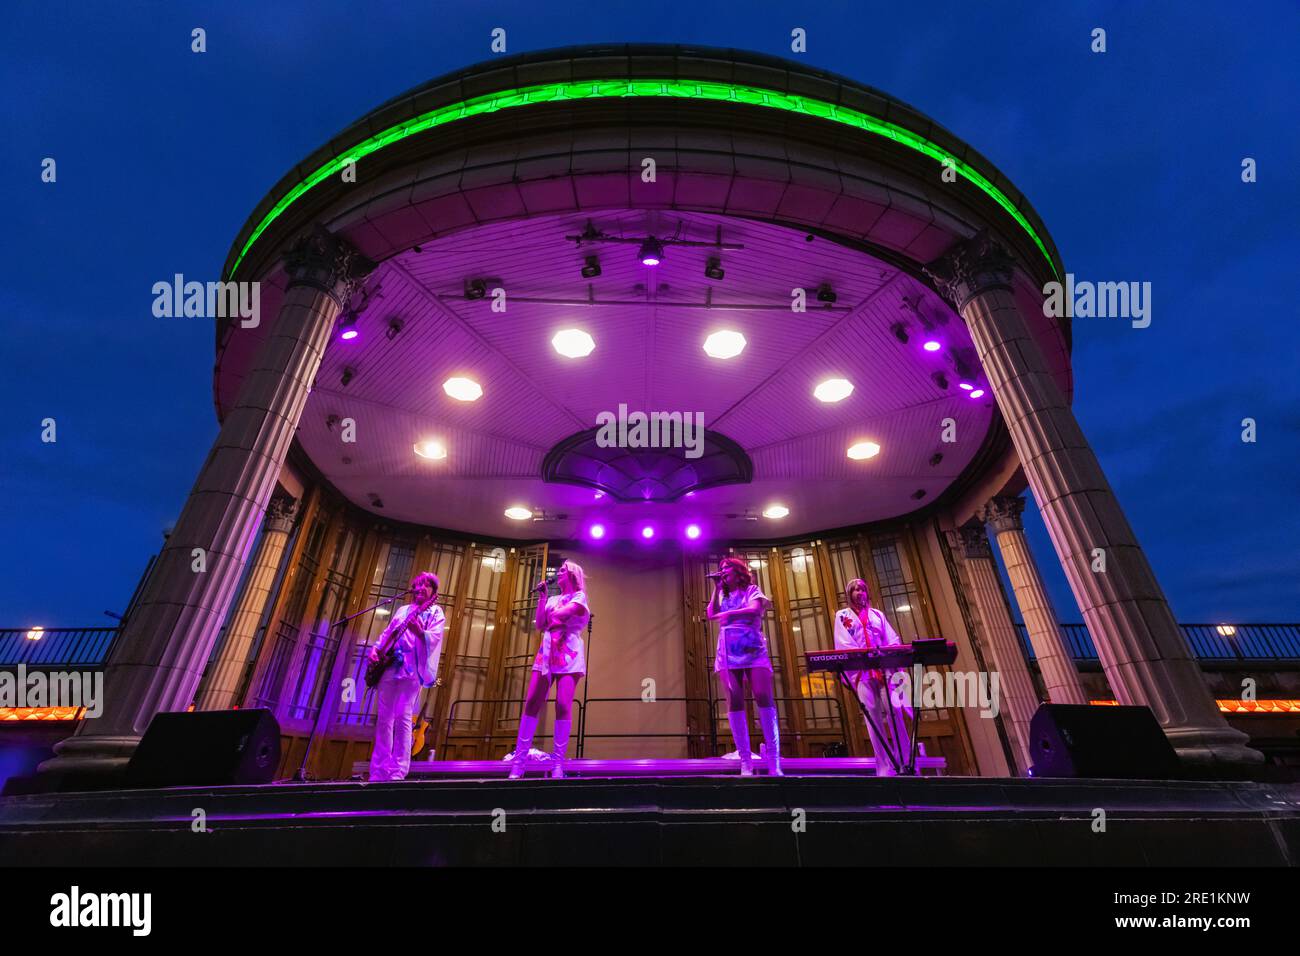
(450, 191)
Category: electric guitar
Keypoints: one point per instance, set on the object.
(388, 656)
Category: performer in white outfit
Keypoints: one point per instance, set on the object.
(415, 632)
(561, 658)
(738, 605)
(861, 626)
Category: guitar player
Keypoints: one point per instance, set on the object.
(414, 637)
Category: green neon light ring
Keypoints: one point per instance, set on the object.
(671, 89)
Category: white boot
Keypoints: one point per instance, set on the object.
(768, 720)
(740, 734)
(523, 744)
(562, 728)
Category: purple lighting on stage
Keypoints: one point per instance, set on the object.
(978, 393)
(692, 531)
(348, 334)
(932, 345)
(652, 252)
(965, 386)
(648, 532)
(597, 531)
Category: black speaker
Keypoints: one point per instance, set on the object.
(207, 748)
(1085, 740)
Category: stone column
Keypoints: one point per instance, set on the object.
(1055, 663)
(165, 646)
(1142, 649)
(1017, 697)
(229, 667)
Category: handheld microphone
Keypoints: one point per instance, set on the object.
(715, 574)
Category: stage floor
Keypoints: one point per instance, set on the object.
(656, 767)
(813, 820)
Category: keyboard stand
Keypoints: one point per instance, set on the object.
(895, 760)
(904, 765)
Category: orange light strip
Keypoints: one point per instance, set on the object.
(1233, 706)
(40, 713)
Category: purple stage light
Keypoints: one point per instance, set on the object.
(652, 252)
(648, 532)
(932, 345)
(978, 393)
(597, 531)
(965, 386)
(348, 335)
(692, 531)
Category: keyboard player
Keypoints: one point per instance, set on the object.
(863, 627)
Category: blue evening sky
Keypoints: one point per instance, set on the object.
(1131, 157)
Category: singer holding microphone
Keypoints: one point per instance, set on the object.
(562, 658)
(411, 643)
(738, 606)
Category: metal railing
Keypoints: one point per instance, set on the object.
(1210, 643)
(714, 703)
(62, 648)
(451, 717)
(582, 712)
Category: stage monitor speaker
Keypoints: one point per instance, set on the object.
(1085, 740)
(207, 748)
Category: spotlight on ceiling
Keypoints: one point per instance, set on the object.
(652, 252)
(596, 531)
(476, 289)
(775, 511)
(713, 269)
(935, 459)
(693, 531)
(573, 343)
(394, 329)
(348, 327)
(863, 450)
(932, 345)
(648, 532)
(900, 331)
(724, 344)
(918, 494)
(965, 386)
(376, 501)
(463, 389)
(434, 450)
(941, 380)
(592, 267)
(977, 393)
(833, 390)
(518, 513)
(349, 373)
(826, 294)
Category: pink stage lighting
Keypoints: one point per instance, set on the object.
(977, 393)
(596, 531)
(348, 334)
(648, 532)
(932, 345)
(693, 531)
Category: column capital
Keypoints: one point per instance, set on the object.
(970, 267)
(327, 262)
(280, 514)
(970, 542)
(1003, 513)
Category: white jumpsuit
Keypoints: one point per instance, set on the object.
(399, 689)
(850, 633)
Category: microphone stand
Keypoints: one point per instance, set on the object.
(586, 683)
(300, 775)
